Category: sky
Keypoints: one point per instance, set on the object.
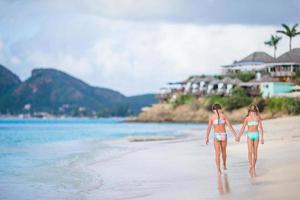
(138, 46)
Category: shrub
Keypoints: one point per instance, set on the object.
(183, 99)
(290, 105)
(297, 75)
(244, 76)
(220, 77)
(238, 99)
(214, 99)
(260, 102)
(238, 91)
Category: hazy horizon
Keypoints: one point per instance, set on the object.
(137, 47)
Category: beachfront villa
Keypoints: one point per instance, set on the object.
(258, 86)
(199, 86)
(272, 78)
(283, 67)
(286, 65)
(257, 61)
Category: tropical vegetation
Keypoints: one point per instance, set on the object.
(244, 76)
(238, 99)
(283, 104)
(273, 42)
(289, 32)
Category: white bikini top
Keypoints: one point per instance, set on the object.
(219, 122)
(252, 123)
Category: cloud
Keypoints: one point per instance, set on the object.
(182, 11)
(115, 49)
(142, 57)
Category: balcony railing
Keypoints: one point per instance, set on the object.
(282, 73)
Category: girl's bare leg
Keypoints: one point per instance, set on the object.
(224, 155)
(250, 153)
(254, 157)
(220, 185)
(217, 154)
(226, 184)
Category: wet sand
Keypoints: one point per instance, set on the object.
(185, 168)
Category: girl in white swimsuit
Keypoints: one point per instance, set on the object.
(255, 133)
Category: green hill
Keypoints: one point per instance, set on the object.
(8, 83)
(136, 103)
(8, 80)
(56, 92)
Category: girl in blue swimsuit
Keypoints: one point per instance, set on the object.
(254, 134)
(218, 121)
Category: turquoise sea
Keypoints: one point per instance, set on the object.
(47, 159)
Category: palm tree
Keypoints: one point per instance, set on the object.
(290, 32)
(273, 43)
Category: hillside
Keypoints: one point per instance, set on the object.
(136, 103)
(187, 108)
(8, 80)
(190, 113)
(55, 92)
(8, 83)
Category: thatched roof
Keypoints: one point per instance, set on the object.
(257, 57)
(192, 79)
(209, 79)
(228, 80)
(292, 56)
(198, 79)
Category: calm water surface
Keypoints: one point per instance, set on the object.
(48, 158)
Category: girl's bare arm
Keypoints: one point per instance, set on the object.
(230, 126)
(243, 128)
(208, 131)
(261, 130)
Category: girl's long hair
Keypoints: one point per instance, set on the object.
(253, 108)
(217, 107)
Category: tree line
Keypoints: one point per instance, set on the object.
(287, 31)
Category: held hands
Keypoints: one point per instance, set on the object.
(237, 138)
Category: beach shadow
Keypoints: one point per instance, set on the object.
(223, 184)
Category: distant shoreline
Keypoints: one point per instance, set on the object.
(55, 118)
(122, 119)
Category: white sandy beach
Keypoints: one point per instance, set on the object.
(185, 168)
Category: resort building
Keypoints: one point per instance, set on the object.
(284, 67)
(272, 78)
(207, 85)
(199, 86)
(257, 62)
(271, 89)
(254, 88)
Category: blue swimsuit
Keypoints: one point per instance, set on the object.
(253, 135)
